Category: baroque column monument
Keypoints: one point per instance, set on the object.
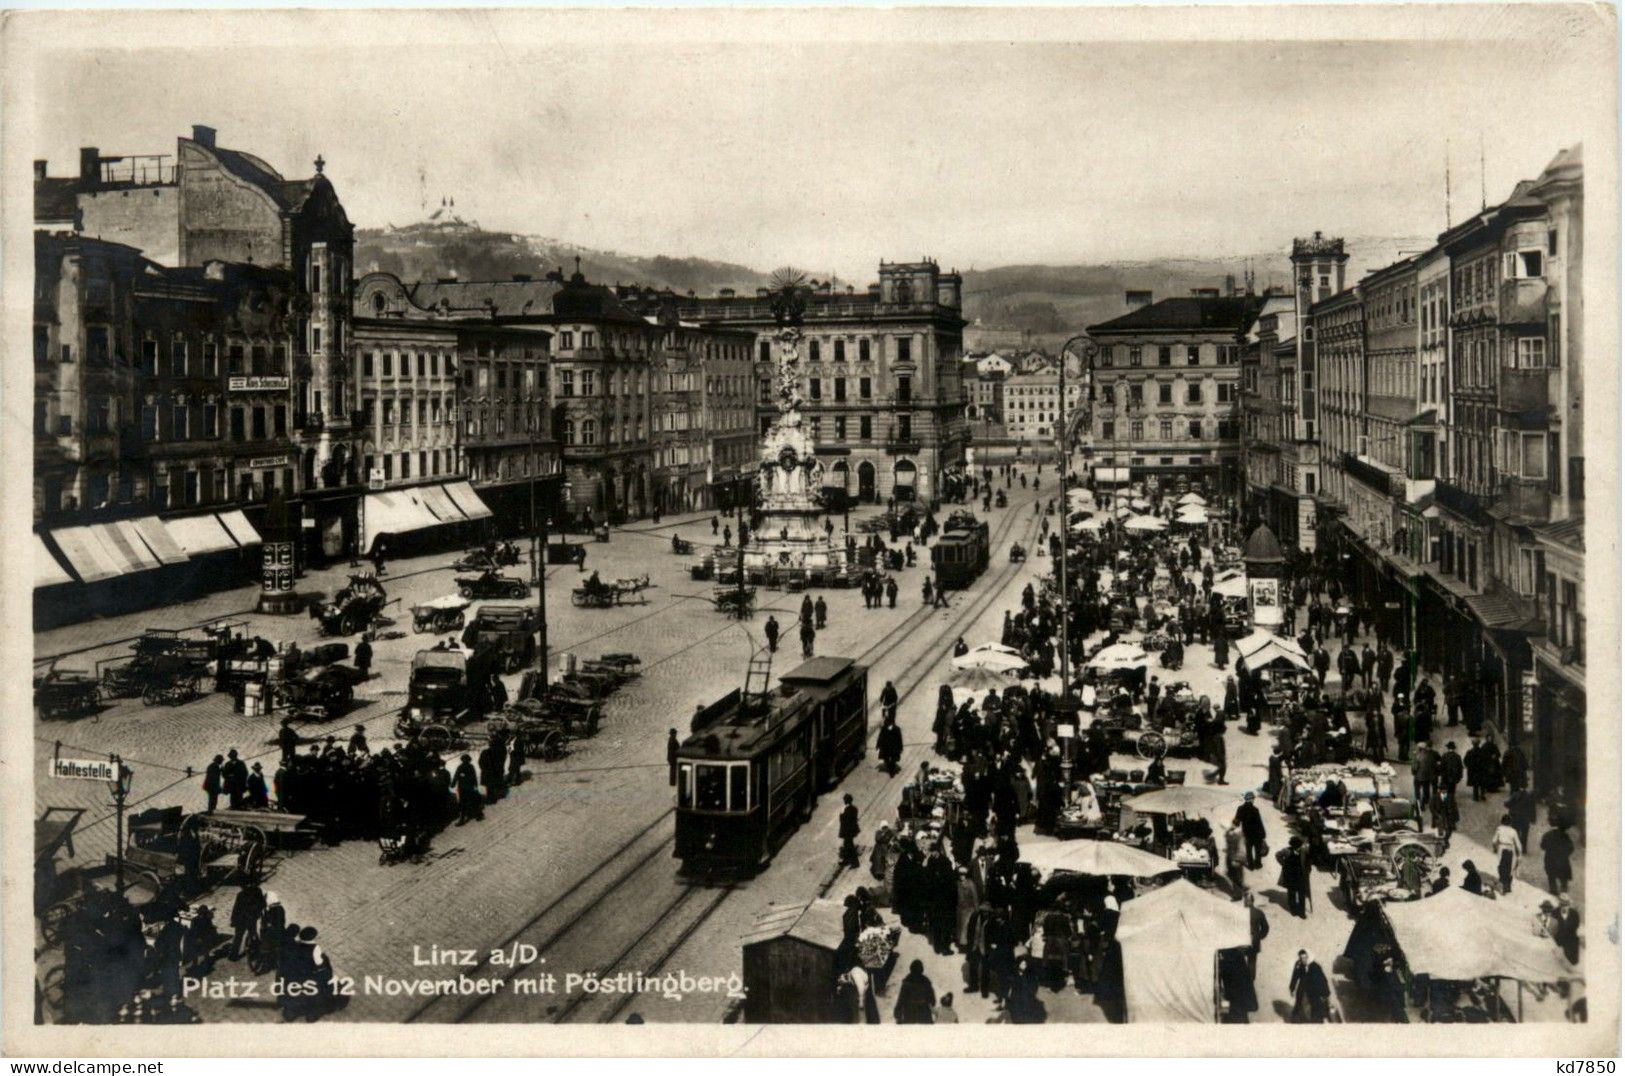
(790, 540)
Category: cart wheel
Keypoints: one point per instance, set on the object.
(1150, 745)
(53, 989)
(404, 729)
(251, 860)
(546, 745)
(50, 923)
(151, 695)
(465, 590)
(436, 738)
(592, 721)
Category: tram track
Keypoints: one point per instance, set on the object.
(621, 869)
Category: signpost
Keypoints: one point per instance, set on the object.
(118, 777)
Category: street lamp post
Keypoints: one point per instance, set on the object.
(123, 776)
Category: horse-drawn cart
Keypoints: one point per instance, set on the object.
(737, 602)
(598, 595)
(66, 693)
(446, 613)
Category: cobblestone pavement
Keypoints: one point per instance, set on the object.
(482, 880)
(578, 856)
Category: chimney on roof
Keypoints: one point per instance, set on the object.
(1135, 299)
(203, 136)
(39, 169)
(90, 164)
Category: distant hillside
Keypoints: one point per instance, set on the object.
(450, 247)
(1008, 306)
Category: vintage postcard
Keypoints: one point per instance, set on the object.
(693, 525)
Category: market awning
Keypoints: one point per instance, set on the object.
(89, 554)
(1111, 474)
(238, 526)
(156, 535)
(463, 496)
(1169, 937)
(440, 503)
(1485, 938)
(48, 571)
(200, 535)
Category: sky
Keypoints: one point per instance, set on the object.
(845, 140)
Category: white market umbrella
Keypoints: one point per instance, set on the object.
(1192, 515)
(1193, 498)
(978, 680)
(1118, 656)
(1139, 504)
(1259, 639)
(991, 660)
(1123, 511)
(1234, 587)
(1484, 938)
(1107, 858)
(1146, 523)
(993, 648)
(1090, 523)
(1182, 799)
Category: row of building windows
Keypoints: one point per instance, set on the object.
(1188, 354)
(1224, 392)
(1225, 429)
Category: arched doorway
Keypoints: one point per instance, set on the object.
(866, 481)
(903, 480)
(839, 476)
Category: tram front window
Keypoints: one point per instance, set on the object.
(738, 780)
(711, 788)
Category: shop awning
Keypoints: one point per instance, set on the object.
(91, 558)
(463, 495)
(238, 526)
(437, 501)
(156, 535)
(48, 571)
(1111, 474)
(123, 537)
(200, 535)
(394, 512)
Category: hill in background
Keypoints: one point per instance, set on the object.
(1009, 306)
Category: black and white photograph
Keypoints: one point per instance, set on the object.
(742, 518)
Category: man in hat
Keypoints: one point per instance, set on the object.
(671, 757)
(211, 782)
(234, 779)
(1251, 824)
(258, 797)
(849, 832)
(1566, 928)
(358, 741)
(469, 799)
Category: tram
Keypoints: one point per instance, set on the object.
(754, 765)
(961, 554)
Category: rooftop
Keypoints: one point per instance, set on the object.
(1207, 313)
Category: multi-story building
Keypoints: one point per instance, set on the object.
(1166, 381)
(456, 392)
(1336, 331)
(987, 398)
(882, 392)
(213, 205)
(1268, 347)
(1032, 406)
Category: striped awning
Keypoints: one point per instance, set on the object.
(90, 555)
(394, 511)
(200, 535)
(238, 526)
(48, 571)
(463, 495)
(438, 501)
(124, 537)
(156, 535)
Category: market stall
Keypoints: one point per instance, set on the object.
(1453, 954)
(1176, 942)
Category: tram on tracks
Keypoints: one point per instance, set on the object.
(755, 763)
(961, 554)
